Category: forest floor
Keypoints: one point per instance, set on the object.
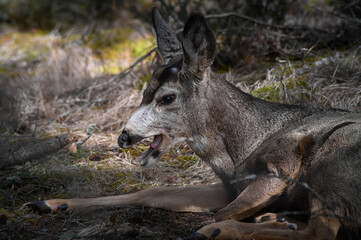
(53, 84)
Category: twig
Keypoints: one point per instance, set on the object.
(129, 69)
(36, 118)
(280, 34)
(235, 14)
(89, 132)
(116, 78)
(259, 22)
(353, 20)
(284, 89)
(126, 71)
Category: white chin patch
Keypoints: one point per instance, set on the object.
(149, 157)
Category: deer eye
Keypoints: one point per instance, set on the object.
(167, 99)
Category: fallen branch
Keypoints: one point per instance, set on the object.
(37, 150)
(262, 23)
(235, 14)
(344, 17)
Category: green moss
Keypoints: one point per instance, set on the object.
(272, 92)
(12, 215)
(60, 195)
(134, 152)
(113, 42)
(268, 93)
(183, 161)
(82, 153)
(108, 38)
(143, 80)
(117, 48)
(29, 220)
(140, 47)
(222, 69)
(10, 71)
(32, 45)
(111, 69)
(126, 182)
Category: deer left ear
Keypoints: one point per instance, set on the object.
(199, 45)
(168, 44)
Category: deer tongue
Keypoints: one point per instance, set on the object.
(157, 140)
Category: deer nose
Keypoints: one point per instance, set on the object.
(124, 140)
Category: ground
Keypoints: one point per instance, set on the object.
(124, 223)
(86, 80)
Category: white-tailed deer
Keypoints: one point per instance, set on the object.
(270, 157)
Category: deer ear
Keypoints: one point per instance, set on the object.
(199, 45)
(168, 44)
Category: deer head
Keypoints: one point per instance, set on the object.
(171, 102)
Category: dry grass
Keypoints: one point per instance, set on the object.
(64, 90)
(54, 85)
(332, 81)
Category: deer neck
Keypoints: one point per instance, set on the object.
(228, 125)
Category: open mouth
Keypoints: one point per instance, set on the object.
(157, 141)
(153, 153)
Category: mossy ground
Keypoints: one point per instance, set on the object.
(63, 81)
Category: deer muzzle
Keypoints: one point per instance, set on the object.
(126, 140)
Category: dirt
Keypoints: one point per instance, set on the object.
(123, 223)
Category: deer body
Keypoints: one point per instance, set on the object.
(269, 156)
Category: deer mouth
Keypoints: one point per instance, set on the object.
(151, 155)
(156, 141)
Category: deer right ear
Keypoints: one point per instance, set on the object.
(168, 44)
(199, 45)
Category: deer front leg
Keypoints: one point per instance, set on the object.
(183, 199)
(258, 194)
(231, 229)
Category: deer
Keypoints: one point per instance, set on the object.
(269, 157)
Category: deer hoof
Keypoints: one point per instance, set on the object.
(39, 207)
(266, 217)
(63, 207)
(291, 226)
(196, 236)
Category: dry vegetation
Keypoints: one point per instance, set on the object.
(67, 79)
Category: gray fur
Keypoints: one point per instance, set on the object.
(239, 135)
(168, 44)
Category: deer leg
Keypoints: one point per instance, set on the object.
(258, 194)
(266, 217)
(321, 228)
(232, 229)
(183, 199)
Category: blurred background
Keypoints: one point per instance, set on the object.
(79, 67)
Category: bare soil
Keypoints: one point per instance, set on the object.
(124, 223)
